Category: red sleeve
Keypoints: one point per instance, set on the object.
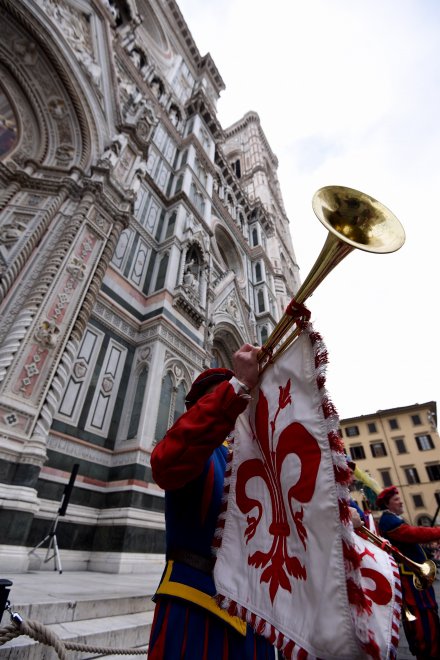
(408, 534)
(187, 445)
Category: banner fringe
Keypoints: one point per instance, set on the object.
(360, 605)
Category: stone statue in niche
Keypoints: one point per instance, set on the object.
(113, 10)
(174, 115)
(136, 57)
(157, 88)
(190, 280)
(232, 309)
(138, 177)
(114, 150)
(209, 335)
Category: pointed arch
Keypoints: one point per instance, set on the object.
(227, 340)
(176, 383)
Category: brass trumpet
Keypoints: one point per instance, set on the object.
(424, 574)
(353, 220)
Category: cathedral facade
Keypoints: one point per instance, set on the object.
(140, 243)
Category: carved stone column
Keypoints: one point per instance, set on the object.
(58, 383)
(56, 313)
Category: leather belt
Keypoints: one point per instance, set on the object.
(189, 558)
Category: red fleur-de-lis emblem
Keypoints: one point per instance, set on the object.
(286, 515)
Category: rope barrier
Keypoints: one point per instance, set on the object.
(44, 635)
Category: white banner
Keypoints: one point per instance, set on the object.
(288, 560)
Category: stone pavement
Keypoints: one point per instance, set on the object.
(33, 594)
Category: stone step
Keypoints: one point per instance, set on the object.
(83, 608)
(114, 632)
(118, 657)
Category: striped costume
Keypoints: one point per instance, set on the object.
(423, 634)
(189, 463)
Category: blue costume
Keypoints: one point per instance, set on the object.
(189, 463)
(356, 506)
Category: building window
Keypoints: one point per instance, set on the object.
(255, 240)
(237, 168)
(378, 449)
(161, 273)
(351, 431)
(372, 427)
(171, 406)
(137, 404)
(418, 501)
(197, 199)
(171, 224)
(412, 476)
(260, 299)
(416, 420)
(163, 417)
(424, 442)
(433, 472)
(394, 424)
(357, 452)
(264, 334)
(400, 446)
(258, 272)
(437, 498)
(180, 401)
(386, 478)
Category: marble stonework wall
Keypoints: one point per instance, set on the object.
(140, 242)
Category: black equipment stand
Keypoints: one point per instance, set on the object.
(52, 535)
(5, 587)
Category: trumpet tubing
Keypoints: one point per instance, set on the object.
(424, 574)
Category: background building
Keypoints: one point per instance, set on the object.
(140, 242)
(400, 447)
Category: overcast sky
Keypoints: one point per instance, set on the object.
(348, 93)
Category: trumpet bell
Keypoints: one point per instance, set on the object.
(358, 219)
(426, 575)
(353, 220)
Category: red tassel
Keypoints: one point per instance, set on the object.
(320, 381)
(342, 474)
(315, 337)
(321, 358)
(336, 442)
(328, 408)
(344, 511)
(357, 597)
(351, 556)
(372, 649)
